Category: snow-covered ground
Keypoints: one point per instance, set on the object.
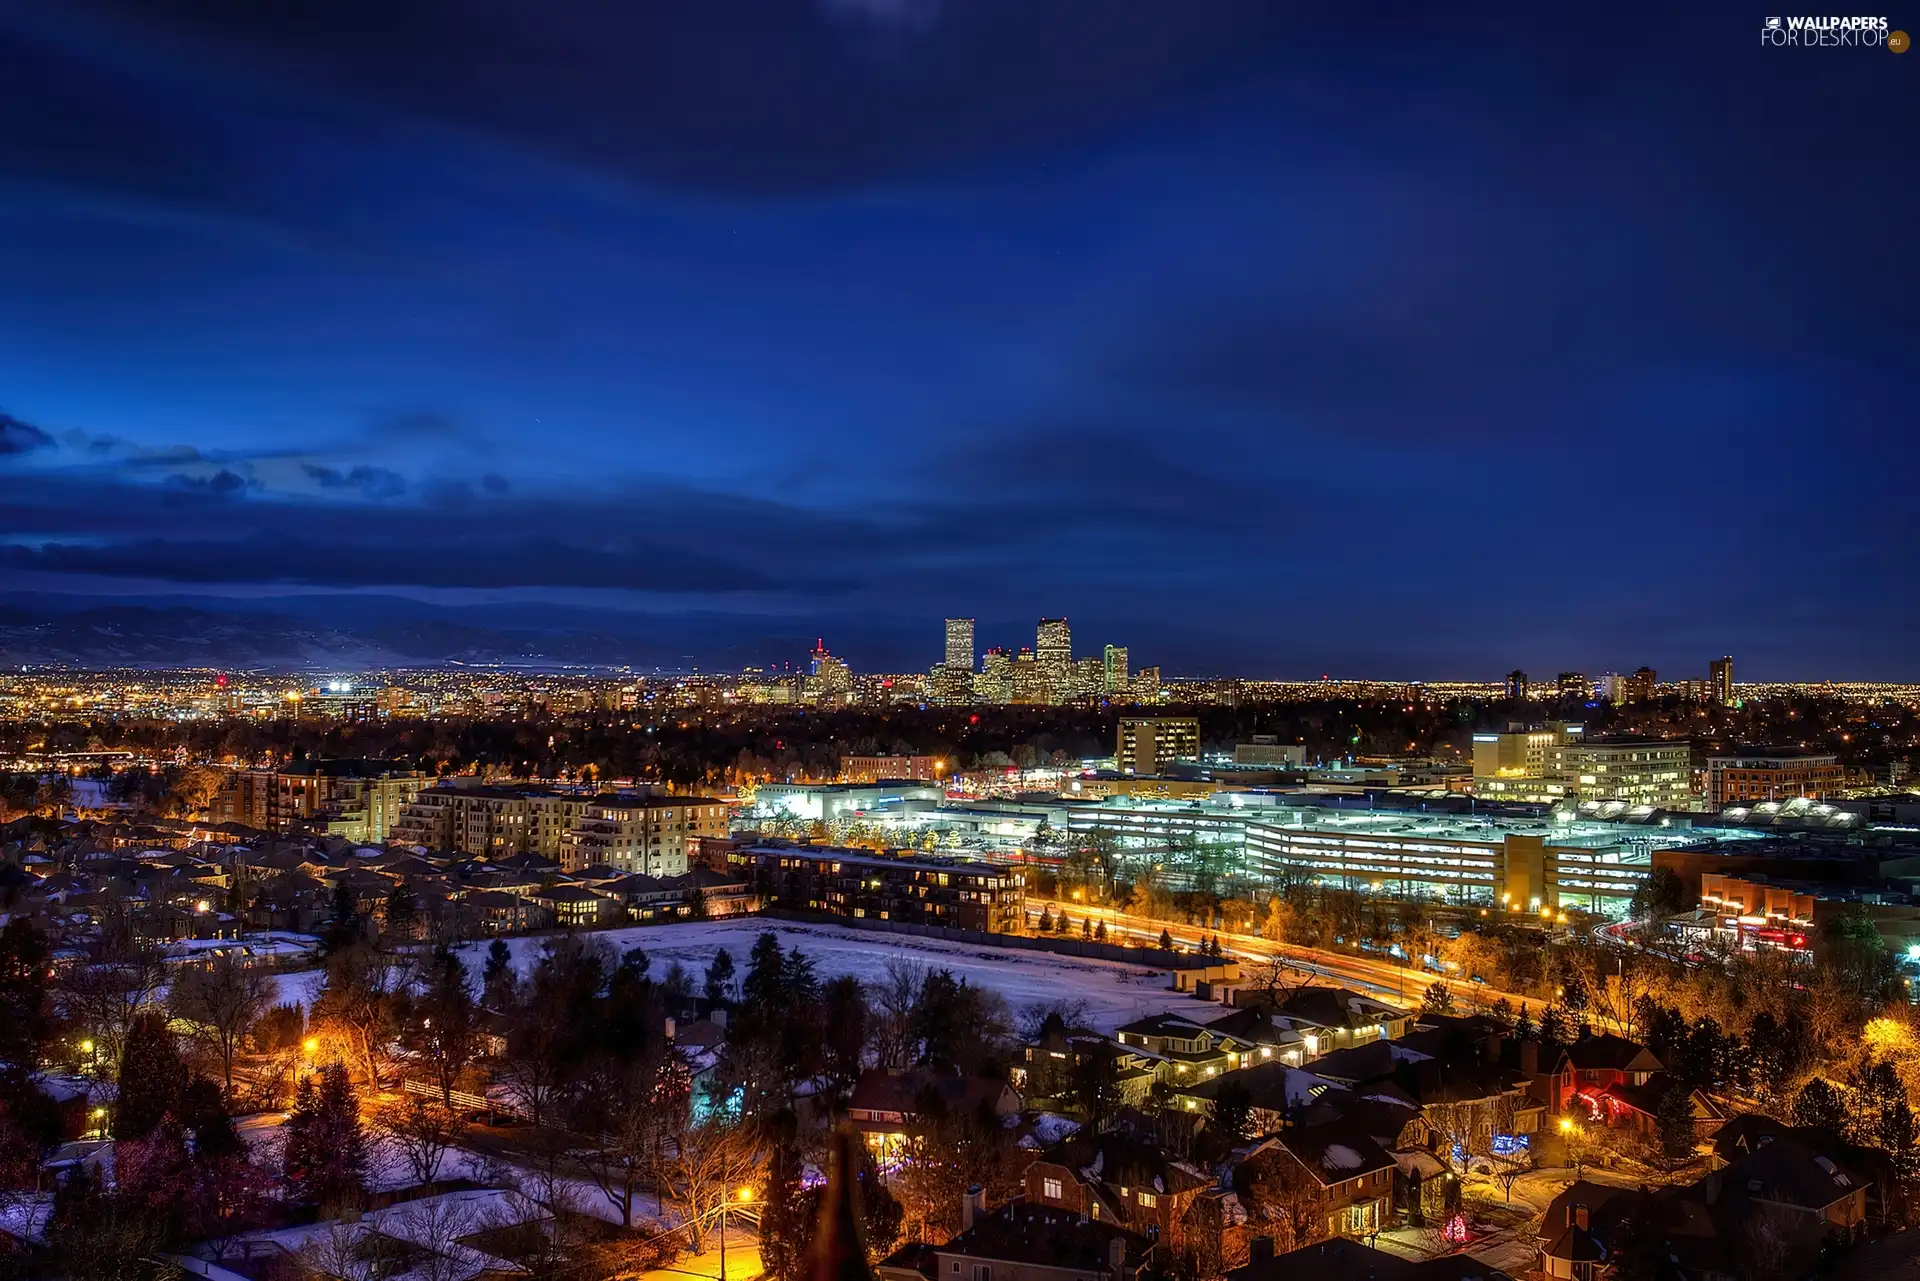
(1113, 992)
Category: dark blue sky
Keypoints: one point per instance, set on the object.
(1273, 337)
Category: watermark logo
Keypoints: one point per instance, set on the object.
(1832, 31)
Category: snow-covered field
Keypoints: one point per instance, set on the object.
(1113, 993)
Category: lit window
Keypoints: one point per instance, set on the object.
(1050, 1188)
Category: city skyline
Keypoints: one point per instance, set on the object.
(1230, 342)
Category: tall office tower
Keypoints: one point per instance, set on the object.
(1720, 681)
(1053, 655)
(1087, 678)
(1609, 686)
(960, 644)
(1113, 670)
(1028, 685)
(1516, 684)
(1575, 685)
(1146, 685)
(994, 684)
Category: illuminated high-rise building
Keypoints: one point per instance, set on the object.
(1053, 657)
(1517, 684)
(994, 683)
(1113, 670)
(1574, 685)
(1028, 683)
(1720, 681)
(960, 644)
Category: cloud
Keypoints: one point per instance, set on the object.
(221, 484)
(495, 483)
(17, 437)
(375, 483)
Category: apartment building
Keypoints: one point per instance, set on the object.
(1771, 774)
(644, 834)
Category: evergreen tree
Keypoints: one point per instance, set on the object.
(1524, 1028)
(1046, 921)
(1674, 1116)
(1555, 1028)
(720, 977)
(403, 911)
(1086, 927)
(1166, 940)
(152, 1078)
(25, 1018)
(496, 980)
(1437, 1000)
(1819, 1105)
(1100, 932)
(345, 924)
(325, 1157)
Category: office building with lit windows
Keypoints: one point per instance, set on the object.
(1771, 774)
(1115, 678)
(1053, 654)
(1523, 765)
(959, 644)
(1720, 681)
(644, 834)
(1637, 771)
(1147, 744)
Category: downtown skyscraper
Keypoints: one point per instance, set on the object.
(959, 645)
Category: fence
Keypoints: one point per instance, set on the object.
(467, 1102)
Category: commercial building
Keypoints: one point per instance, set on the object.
(1517, 685)
(1574, 685)
(1755, 914)
(1028, 681)
(1638, 771)
(872, 769)
(1267, 749)
(1466, 857)
(960, 644)
(644, 834)
(1523, 765)
(1720, 681)
(1114, 676)
(994, 684)
(829, 679)
(1771, 774)
(915, 890)
(827, 802)
(1146, 744)
(1053, 654)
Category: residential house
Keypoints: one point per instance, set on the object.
(1024, 1242)
(1348, 1183)
(1334, 1018)
(1348, 1260)
(893, 1109)
(1117, 1177)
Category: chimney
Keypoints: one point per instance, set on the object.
(1581, 1218)
(1530, 1057)
(972, 1206)
(1260, 1251)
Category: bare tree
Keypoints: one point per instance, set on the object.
(222, 1000)
(894, 998)
(714, 1158)
(423, 1132)
(117, 975)
(358, 1001)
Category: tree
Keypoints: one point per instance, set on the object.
(98, 1236)
(25, 1016)
(357, 1001)
(497, 979)
(222, 1000)
(324, 1160)
(1100, 932)
(711, 1160)
(402, 911)
(1166, 940)
(1661, 895)
(1819, 1105)
(1232, 1115)
(720, 977)
(1095, 1085)
(1438, 1000)
(445, 1022)
(421, 1131)
(844, 1005)
(1046, 920)
(1674, 1116)
(152, 1078)
(1555, 1028)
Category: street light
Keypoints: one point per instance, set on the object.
(745, 1196)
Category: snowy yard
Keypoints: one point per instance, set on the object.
(1114, 992)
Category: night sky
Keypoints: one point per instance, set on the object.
(1265, 337)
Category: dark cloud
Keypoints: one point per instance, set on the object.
(665, 93)
(375, 483)
(220, 484)
(18, 437)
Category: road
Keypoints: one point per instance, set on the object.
(1402, 984)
